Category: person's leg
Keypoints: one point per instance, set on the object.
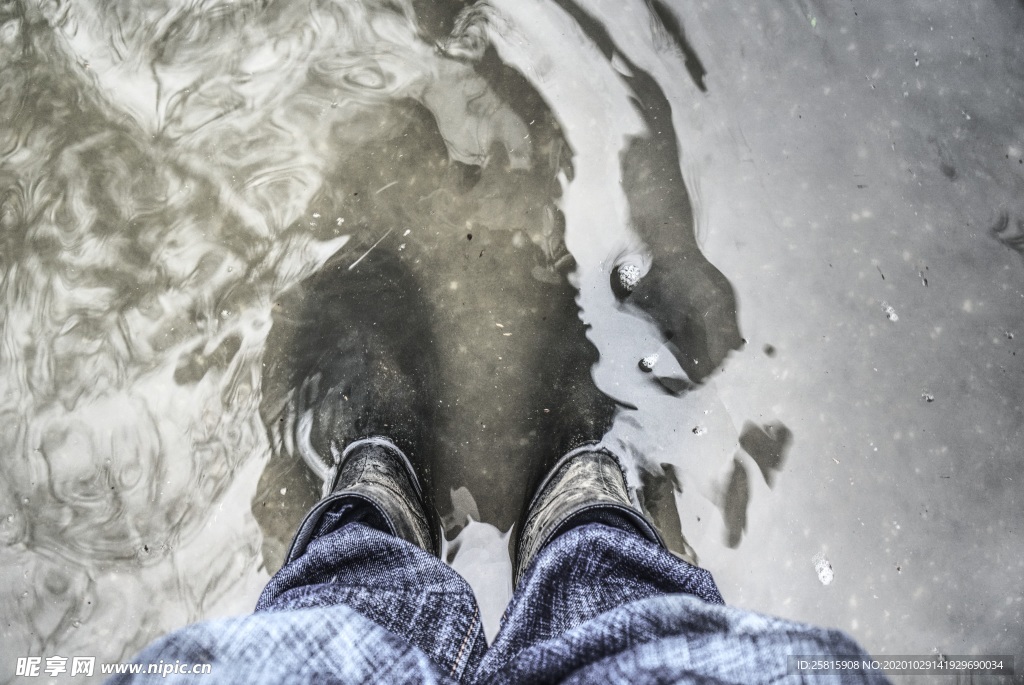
(359, 606)
(362, 597)
(352, 562)
(603, 600)
(586, 571)
(373, 546)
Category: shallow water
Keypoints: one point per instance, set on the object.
(198, 199)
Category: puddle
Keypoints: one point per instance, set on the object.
(560, 219)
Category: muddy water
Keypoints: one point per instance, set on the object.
(215, 216)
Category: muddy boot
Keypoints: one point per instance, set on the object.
(374, 472)
(349, 391)
(587, 485)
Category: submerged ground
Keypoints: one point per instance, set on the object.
(824, 199)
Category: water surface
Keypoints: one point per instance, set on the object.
(198, 199)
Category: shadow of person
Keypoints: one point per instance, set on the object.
(447, 323)
(456, 277)
(377, 353)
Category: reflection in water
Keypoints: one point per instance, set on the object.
(173, 181)
(691, 301)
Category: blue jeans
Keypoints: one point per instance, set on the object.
(599, 604)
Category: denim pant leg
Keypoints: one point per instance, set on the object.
(603, 604)
(358, 606)
(395, 584)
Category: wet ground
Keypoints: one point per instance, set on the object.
(216, 216)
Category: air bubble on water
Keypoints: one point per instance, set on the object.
(628, 277)
(890, 312)
(823, 568)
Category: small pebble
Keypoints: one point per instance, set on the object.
(627, 277)
(699, 430)
(927, 397)
(648, 362)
